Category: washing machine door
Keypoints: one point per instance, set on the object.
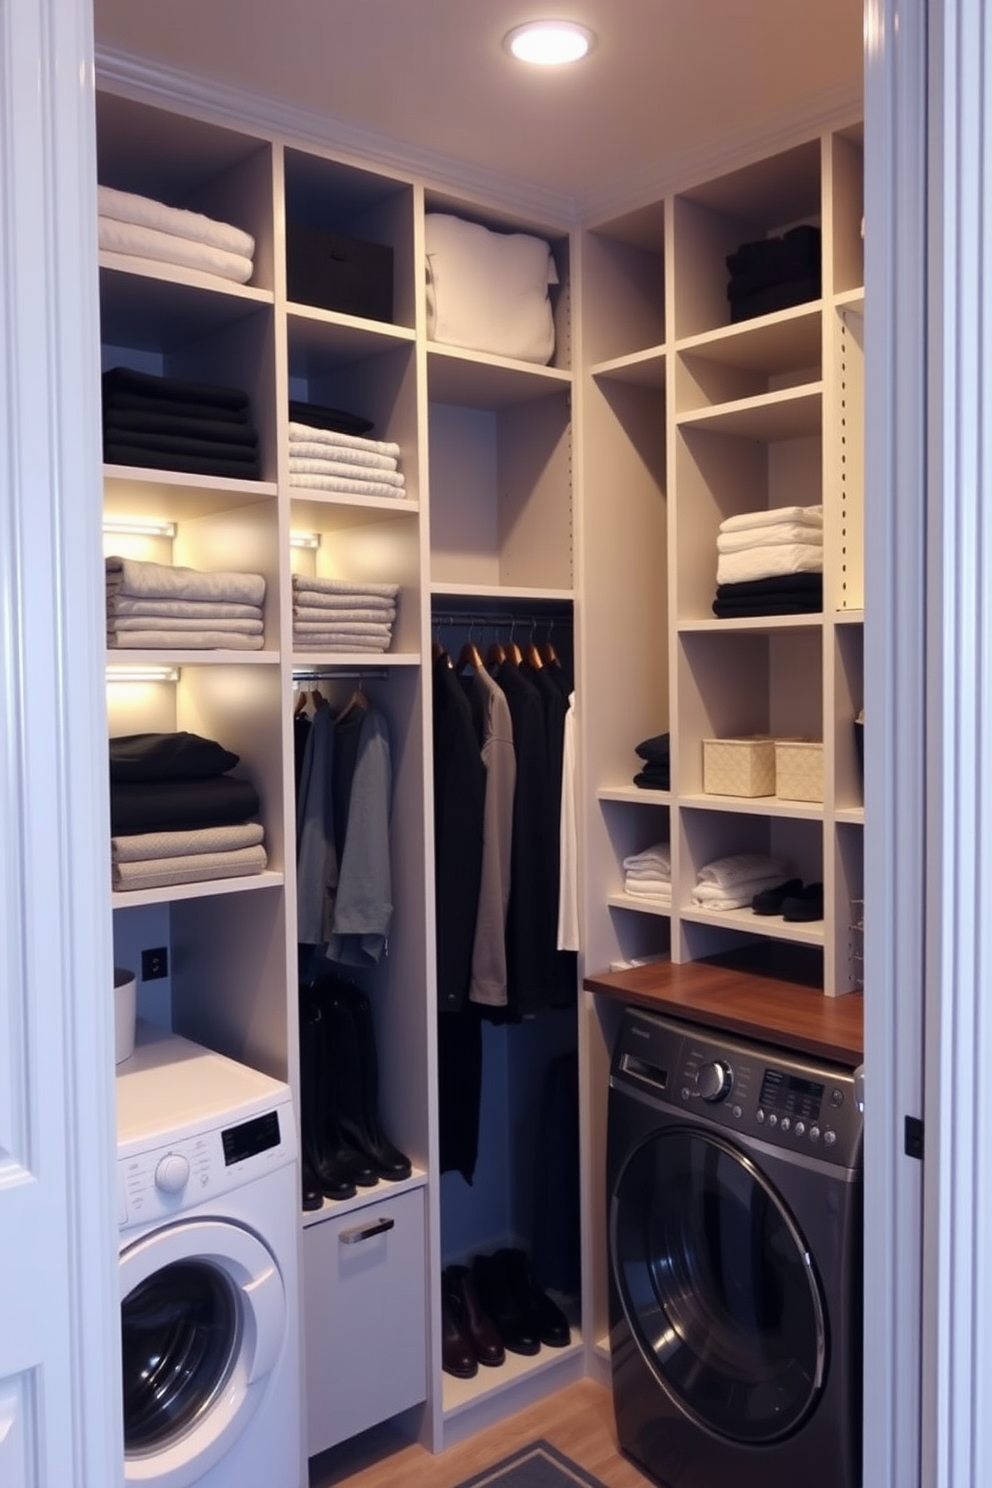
(717, 1286)
(203, 1320)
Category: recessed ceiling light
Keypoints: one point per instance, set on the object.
(549, 43)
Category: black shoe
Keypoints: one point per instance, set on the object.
(509, 1307)
(807, 905)
(770, 901)
(552, 1324)
(457, 1355)
(479, 1328)
(354, 1080)
(313, 1197)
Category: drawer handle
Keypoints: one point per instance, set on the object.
(365, 1232)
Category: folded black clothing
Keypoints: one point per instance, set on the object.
(766, 261)
(181, 805)
(776, 297)
(183, 444)
(136, 758)
(338, 420)
(781, 583)
(208, 394)
(139, 454)
(655, 748)
(798, 604)
(124, 402)
(161, 420)
(653, 779)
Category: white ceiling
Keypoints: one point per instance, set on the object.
(665, 79)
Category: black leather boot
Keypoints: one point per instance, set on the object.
(320, 1177)
(357, 1082)
(342, 1159)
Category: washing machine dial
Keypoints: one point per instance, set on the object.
(714, 1081)
(172, 1173)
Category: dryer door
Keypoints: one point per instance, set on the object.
(203, 1320)
(717, 1285)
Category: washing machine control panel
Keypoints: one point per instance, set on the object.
(159, 1181)
(758, 1091)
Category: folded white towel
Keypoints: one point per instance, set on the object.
(487, 290)
(125, 206)
(338, 458)
(308, 584)
(334, 614)
(146, 242)
(747, 521)
(141, 846)
(738, 867)
(649, 889)
(344, 441)
(332, 640)
(739, 896)
(185, 640)
(154, 873)
(344, 487)
(770, 536)
(143, 580)
(358, 628)
(659, 856)
(337, 468)
(192, 609)
(118, 623)
(769, 562)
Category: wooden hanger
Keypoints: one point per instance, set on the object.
(301, 702)
(356, 701)
(532, 656)
(496, 654)
(470, 656)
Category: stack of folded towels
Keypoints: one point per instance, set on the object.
(176, 813)
(152, 606)
(325, 459)
(332, 615)
(655, 772)
(172, 237)
(770, 562)
(732, 882)
(168, 423)
(649, 873)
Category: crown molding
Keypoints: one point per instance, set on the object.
(718, 155)
(129, 72)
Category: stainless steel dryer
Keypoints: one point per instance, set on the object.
(734, 1176)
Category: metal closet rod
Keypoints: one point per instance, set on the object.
(494, 619)
(348, 673)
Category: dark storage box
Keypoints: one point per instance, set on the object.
(334, 272)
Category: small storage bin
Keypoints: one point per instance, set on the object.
(125, 1004)
(799, 769)
(334, 272)
(739, 767)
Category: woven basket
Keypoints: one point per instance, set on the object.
(739, 767)
(799, 769)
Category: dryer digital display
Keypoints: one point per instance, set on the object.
(250, 1138)
(791, 1095)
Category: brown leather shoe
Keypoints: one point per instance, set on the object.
(481, 1331)
(457, 1355)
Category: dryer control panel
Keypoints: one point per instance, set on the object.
(753, 1088)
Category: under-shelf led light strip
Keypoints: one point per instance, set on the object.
(138, 527)
(139, 673)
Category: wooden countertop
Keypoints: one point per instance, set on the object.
(743, 994)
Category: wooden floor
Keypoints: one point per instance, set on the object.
(578, 1421)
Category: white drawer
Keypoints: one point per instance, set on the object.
(364, 1317)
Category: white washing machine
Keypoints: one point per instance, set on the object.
(208, 1199)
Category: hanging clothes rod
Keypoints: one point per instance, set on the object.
(345, 673)
(494, 619)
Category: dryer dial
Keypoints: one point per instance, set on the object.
(714, 1081)
(172, 1173)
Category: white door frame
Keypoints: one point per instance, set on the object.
(59, 1322)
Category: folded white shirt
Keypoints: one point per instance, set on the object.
(738, 867)
(167, 248)
(310, 434)
(770, 536)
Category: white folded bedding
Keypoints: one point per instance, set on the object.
(765, 537)
(306, 583)
(339, 459)
(322, 465)
(488, 291)
(147, 242)
(345, 486)
(145, 580)
(769, 562)
(144, 211)
(745, 521)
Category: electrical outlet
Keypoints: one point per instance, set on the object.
(154, 964)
